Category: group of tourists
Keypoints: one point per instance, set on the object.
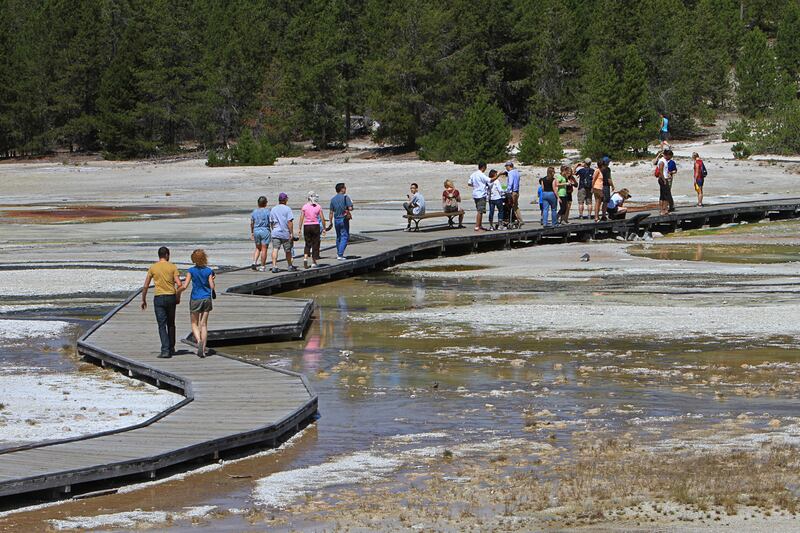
(597, 196)
(276, 225)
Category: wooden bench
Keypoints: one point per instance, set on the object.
(435, 214)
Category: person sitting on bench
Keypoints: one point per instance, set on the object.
(415, 205)
(451, 201)
(615, 209)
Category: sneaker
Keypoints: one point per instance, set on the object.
(314, 265)
(305, 262)
(341, 258)
(254, 267)
(292, 268)
(274, 270)
(164, 355)
(200, 352)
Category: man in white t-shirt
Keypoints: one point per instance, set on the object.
(480, 189)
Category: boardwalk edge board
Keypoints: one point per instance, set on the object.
(429, 240)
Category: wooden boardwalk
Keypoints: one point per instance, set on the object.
(230, 403)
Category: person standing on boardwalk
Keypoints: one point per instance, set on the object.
(451, 201)
(341, 212)
(672, 170)
(281, 220)
(585, 172)
(496, 202)
(664, 193)
(480, 190)
(700, 174)
(168, 292)
(312, 221)
(512, 188)
(602, 185)
(260, 233)
(663, 132)
(415, 204)
(550, 198)
(201, 278)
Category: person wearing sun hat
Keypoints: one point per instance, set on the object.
(281, 219)
(312, 221)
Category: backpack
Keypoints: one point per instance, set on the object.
(703, 171)
(657, 171)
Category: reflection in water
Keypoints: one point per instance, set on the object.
(720, 253)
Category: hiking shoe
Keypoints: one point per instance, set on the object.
(274, 270)
(305, 262)
(292, 268)
(200, 352)
(254, 267)
(164, 355)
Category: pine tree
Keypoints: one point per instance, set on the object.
(481, 134)
(404, 71)
(787, 47)
(484, 133)
(635, 112)
(756, 74)
(540, 145)
(711, 34)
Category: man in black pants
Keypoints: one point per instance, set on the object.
(168, 293)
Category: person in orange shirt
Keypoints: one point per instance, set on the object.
(699, 177)
(168, 294)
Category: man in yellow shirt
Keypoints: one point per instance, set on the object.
(168, 293)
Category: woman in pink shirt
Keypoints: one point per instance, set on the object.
(312, 220)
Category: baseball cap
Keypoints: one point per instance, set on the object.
(283, 196)
(588, 160)
(509, 164)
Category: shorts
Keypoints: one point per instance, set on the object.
(585, 196)
(597, 193)
(286, 244)
(261, 236)
(480, 205)
(452, 208)
(663, 135)
(568, 198)
(200, 306)
(664, 193)
(698, 185)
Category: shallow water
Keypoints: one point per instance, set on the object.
(381, 374)
(720, 253)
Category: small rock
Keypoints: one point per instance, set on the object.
(585, 258)
(774, 423)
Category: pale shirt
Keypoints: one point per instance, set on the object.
(495, 190)
(419, 201)
(480, 184)
(662, 163)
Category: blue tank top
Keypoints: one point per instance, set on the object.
(665, 127)
(201, 288)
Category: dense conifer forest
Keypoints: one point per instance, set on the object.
(136, 78)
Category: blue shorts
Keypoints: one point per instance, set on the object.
(261, 236)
